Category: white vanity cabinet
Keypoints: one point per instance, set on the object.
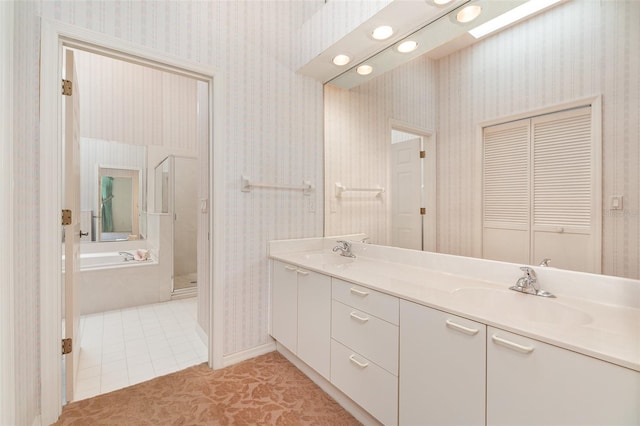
(301, 314)
(534, 383)
(442, 368)
(364, 348)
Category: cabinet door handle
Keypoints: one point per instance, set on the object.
(290, 268)
(511, 345)
(358, 292)
(358, 317)
(466, 330)
(301, 272)
(353, 359)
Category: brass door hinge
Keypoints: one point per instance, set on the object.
(67, 345)
(423, 154)
(66, 217)
(67, 87)
(423, 210)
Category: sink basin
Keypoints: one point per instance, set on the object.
(523, 306)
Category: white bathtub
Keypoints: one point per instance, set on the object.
(110, 260)
(108, 282)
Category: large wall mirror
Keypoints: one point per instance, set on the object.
(576, 53)
(112, 188)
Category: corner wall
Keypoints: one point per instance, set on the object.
(272, 132)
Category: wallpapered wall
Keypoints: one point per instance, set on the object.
(272, 132)
(358, 143)
(576, 50)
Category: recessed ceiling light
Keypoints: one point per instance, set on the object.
(407, 46)
(364, 69)
(341, 60)
(382, 33)
(468, 13)
(440, 2)
(520, 12)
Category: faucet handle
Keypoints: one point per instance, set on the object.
(346, 244)
(529, 271)
(545, 262)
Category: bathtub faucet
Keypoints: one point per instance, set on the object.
(127, 256)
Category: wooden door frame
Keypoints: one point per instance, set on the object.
(7, 302)
(54, 36)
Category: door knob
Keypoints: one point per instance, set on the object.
(83, 234)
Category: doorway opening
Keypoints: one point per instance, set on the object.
(57, 38)
(412, 177)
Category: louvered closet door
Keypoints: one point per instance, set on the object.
(506, 204)
(564, 224)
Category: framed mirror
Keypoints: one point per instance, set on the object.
(570, 56)
(112, 190)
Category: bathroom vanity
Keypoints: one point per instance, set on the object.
(423, 338)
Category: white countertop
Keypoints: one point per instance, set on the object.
(607, 331)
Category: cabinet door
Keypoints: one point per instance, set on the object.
(534, 383)
(442, 368)
(284, 305)
(314, 320)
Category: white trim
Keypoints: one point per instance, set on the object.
(429, 145)
(7, 309)
(248, 354)
(54, 36)
(37, 421)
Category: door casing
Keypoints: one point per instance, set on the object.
(54, 36)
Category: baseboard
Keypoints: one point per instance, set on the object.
(37, 421)
(347, 403)
(184, 293)
(237, 357)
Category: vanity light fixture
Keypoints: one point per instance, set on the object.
(407, 46)
(364, 69)
(341, 60)
(468, 13)
(514, 15)
(382, 33)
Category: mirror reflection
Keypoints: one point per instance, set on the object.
(112, 185)
(568, 57)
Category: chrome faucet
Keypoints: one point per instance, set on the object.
(127, 256)
(345, 248)
(529, 283)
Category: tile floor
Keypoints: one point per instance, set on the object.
(128, 346)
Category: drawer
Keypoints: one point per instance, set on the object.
(366, 334)
(371, 387)
(367, 300)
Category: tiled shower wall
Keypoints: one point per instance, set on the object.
(574, 51)
(272, 131)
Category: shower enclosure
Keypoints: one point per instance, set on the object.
(176, 193)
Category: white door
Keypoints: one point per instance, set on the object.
(72, 232)
(406, 194)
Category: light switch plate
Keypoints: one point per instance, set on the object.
(616, 202)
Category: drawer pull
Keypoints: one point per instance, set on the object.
(301, 272)
(358, 363)
(511, 345)
(466, 330)
(291, 268)
(358, 292)
(358, 317)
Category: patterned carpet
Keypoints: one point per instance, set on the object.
(266, 390)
